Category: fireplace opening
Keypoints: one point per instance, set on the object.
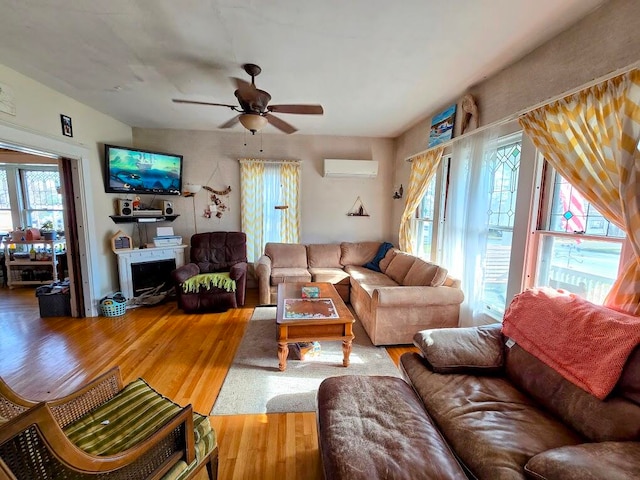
(148, 276)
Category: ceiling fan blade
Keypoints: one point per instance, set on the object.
(302, 109)
(231, 122)
(280, 124)
(177, 100)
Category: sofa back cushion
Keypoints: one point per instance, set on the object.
(358, 253)
(400, 266)
(286, 255)
(613, 419)
(425, 273)
(218, 251)
(384, 263)
(324, 255)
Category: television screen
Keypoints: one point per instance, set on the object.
(131, 170)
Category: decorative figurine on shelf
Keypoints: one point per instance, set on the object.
(470, 114)
(136, 203)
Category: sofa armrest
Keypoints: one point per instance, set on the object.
(420, 296)
(462, 350)
(262, 268)
(185, 272)
(238, 270)
(602, 460)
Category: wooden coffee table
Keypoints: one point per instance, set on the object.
(315, 319)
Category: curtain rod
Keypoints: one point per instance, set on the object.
(515, 116)
(267, 160)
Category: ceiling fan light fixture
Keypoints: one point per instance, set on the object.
(253, 122)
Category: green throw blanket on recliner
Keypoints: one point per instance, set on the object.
(209, 280)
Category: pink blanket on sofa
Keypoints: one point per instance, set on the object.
(587, 344)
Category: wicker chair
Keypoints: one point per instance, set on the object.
(72, 438)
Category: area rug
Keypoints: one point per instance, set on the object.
(254, 384)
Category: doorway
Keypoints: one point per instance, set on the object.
(36, 191)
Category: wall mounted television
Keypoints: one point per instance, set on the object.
(132, 170)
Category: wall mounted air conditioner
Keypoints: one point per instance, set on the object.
(334, 167)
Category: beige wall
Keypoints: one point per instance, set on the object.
(324, 201)
(37, 124)
(605, 41)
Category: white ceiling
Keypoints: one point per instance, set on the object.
(376, 66)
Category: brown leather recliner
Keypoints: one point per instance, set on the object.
(214, 252)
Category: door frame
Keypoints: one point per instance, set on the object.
(14, 137)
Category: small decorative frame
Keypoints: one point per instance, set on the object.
(67, 129)
(442, 126)
(121, 241)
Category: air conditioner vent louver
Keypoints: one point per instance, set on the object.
(350, 168)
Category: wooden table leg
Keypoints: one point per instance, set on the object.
(283, 353)
(346, 351)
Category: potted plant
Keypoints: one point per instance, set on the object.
(47, 231)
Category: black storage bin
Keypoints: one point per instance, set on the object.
(51, 304)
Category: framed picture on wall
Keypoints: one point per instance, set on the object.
(442, 126)
(67, 129)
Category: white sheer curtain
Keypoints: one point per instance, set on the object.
(466, 224)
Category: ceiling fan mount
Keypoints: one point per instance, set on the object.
(255, 111)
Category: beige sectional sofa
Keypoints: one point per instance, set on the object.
(406, 296)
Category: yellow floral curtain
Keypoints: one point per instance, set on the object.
(251, 211)
(591, 138)
(290, 174)
(257, 207)
(423, 168)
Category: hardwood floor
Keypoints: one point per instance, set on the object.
(185, 357)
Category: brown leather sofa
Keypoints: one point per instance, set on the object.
(497, 410)
(213, 252)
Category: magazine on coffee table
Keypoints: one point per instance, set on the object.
(309, 308)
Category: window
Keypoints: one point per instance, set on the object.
(429, 215)
(42, 202)
(29, 197)
(577, 249)
(269, 203)
(503, 170)
(6, 222)
(479, 221)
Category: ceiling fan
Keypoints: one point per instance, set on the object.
(255, 111)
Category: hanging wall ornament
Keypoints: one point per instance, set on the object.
(218, 198)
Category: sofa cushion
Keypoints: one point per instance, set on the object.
(324, 255)
(462, 350)
(336, 276)
(384, 263)
(425, 273)
(365, 277)
(610, 460)
(107, 429)
(493, 427)
(400, 266)
(629, 383)
(614, 419)
(358, 253)
(286, 255)
(374, 427)
(289, 275)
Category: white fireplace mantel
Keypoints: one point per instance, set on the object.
(126, 258)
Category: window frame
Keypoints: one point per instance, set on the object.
(441, 179)
(541, 220)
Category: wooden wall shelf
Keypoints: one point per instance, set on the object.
(142, 219)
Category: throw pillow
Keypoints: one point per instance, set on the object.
(375, 263)
(462, 350)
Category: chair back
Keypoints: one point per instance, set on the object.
(218, 251)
